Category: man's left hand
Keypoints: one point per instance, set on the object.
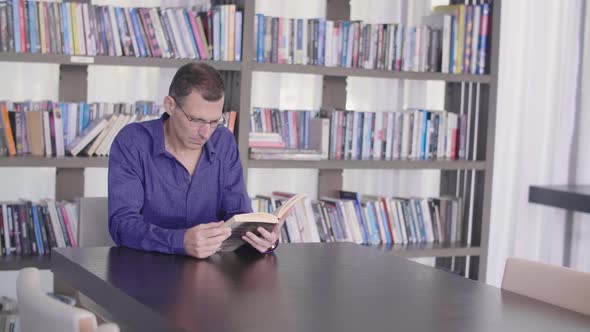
(266, 240)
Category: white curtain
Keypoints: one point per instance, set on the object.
(538, 79)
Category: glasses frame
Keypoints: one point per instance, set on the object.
(198, 123)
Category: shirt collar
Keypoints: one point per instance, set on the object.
(159, 146)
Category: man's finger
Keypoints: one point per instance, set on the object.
(214, 240)
(214, 232)
(253, 244)
(210, 225)
(268, 236)
(261, 242)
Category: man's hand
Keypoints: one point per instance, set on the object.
(204, 240)
(266, 240)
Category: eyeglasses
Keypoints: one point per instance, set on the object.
(198, 123)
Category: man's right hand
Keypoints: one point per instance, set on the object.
(204, 240)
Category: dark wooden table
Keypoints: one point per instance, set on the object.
(305, 287)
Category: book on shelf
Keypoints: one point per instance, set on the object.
(34, 228)
(370, 220)
(83, 29)
(240, 224)
(287, 135)
(454, 42)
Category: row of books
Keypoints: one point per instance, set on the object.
(368, 219)
(34, 228)
(49, 128)
(452, 40)
(410, 134)
(74, 28)
(465, 37)
(9, 321)
(350, 135)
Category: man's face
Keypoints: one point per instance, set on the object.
(203, 115)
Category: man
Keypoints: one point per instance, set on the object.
(173, 181)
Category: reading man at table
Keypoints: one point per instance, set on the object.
(173, 181)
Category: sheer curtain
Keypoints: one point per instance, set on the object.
(536, 111)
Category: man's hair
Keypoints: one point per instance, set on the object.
(197, 76)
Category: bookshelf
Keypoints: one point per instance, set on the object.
(470, 179)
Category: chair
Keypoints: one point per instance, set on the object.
(555, 285)
(39, 312)
(93, 229)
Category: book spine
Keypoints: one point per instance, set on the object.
(37, 229)
(483, 39)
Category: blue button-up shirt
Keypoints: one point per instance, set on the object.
(152, 198)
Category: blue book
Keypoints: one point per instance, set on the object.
(321, 38)
(453, 44)
(217, 44)
(16, 27)
(375, 234)
(260, 39)
(191, 36)
(359, 136)
(33, 29)
(238, 37)
(345, 29)
(420, 219)
(299, 48)
(483, 39)
(36, 225)
(136, 27)
(65, 29)
(388, 239)
(423, 134)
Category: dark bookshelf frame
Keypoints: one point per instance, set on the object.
(73, 88)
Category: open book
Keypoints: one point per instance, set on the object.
(249, 222)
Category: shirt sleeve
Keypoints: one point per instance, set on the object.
(234, 198)
(126, 196)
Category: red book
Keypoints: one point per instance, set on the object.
(23, 31)
(67, 224)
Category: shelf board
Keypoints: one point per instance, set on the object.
(59, 162)
(14, 262)
(369, 164)
(114, 61)
(569, 197)
(338, 71)
(430, 250)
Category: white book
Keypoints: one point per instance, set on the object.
(475, 39)
(304, 55)
(55, 223)
(391, 53)
(80, 27)
(73, 219)
(172, 19)
(105, 146)
(46, 134)
(402, 220)
(90, 43)
(86, 137)
(116, 34)
(59, 132)
(424, 52)
(328, 44)
(223, 24)
(380, 224)
(447, 43)
(186, 36)
(378, 135)
(347, 219)
(155, 18)
(393, 222)
(217, 44)
(417, 48)
(6, 227)
(390, 124)
(312, 225)
(354, 221)
(102, 136)
(415, 151)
